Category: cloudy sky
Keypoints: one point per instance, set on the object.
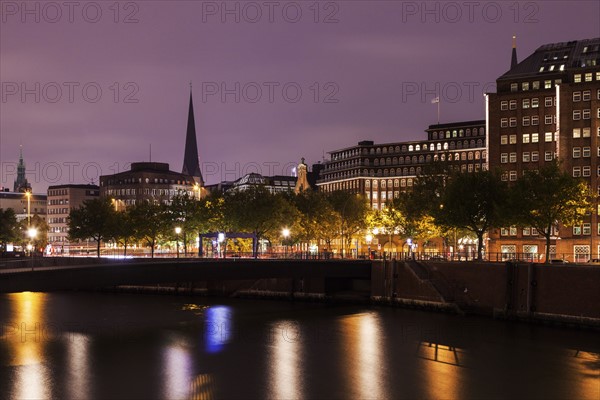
(88, 87)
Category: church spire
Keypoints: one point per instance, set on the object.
(513, 60)
(191, 164)
(21, 184)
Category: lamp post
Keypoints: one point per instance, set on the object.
(286, 234)
(31, 233)
(177, 232)
(28, 195)
(369, 239)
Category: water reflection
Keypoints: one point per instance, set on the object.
(178, 370)
(285, 361)
(78, 350)
(26, 345)
(584, 368)
(217, 328)
(364, 356)
(443, 370)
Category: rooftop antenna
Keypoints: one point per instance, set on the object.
(150, 150)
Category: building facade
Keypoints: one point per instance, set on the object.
(548, 107)
(382, 171)
(19, 203)
(60, 201)
(147, 181)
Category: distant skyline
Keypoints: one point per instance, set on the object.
(86, 90)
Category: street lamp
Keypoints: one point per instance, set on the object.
(369, 238)
(177, 232)
(31, 233)
(286, 234)
(28, 195)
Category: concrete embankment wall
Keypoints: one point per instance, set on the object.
(519, 289)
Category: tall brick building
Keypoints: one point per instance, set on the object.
(547, 107)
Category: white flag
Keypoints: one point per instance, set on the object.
(435, 100)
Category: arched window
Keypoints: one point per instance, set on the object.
(459, 145)
(408, 160)
(481, 131)
(439, 146)
(378, 150)
(457, 156)
(461, 133)
(434, 135)
(410, 147)
(421, 159)
(428, 158)
(403, 148)
(479, 142)
(372, 151)
(391, 150)
(388, 161)
(405, 171)
(366, 162)
(463, 156)
(396, 182)
(412, 170)
(472, 143)
(392, 171)
(395, 161)
(367, 183)
(470, 155)
(468, 131)
(376, 162)
(418, 170)
(400, 160)
(386, 172)
(417, 148)
(414, 159)
(477, 155)
(445, 145)
(452, 146)
(397, 149)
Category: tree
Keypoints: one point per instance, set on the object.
(124, 230)
(475, 201)
(184, 213)
(9, 227)
(317, 221)
(94, 219)
(40, 227)
(352, 210)
(150, 221)
(258, 211)
(550, 196)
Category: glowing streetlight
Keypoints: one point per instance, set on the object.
(285, 232)
(177, 232)
(369, 239)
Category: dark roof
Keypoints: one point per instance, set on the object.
(75, 186)
(149, 167)
(457, 124)
(573, 55)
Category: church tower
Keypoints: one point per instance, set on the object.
(21, 184)
(191, 164)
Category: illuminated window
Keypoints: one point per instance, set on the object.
(526, 156)
(526, 138)
(535, 102)
(525, 103)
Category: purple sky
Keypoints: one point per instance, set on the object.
(376, 59)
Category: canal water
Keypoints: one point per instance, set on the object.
(95, 345)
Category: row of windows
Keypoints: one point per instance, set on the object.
(147, 192)
(528, 138)
(535, 85)
(129, 181)
(586, 95)
(584, 114)
(54, 202)
(412, 147)
(527, 156)
(534, 102)
(58, 210)
(587, 77)
(57, 220)
(456, 133)
(512, 231)
(528, 120)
